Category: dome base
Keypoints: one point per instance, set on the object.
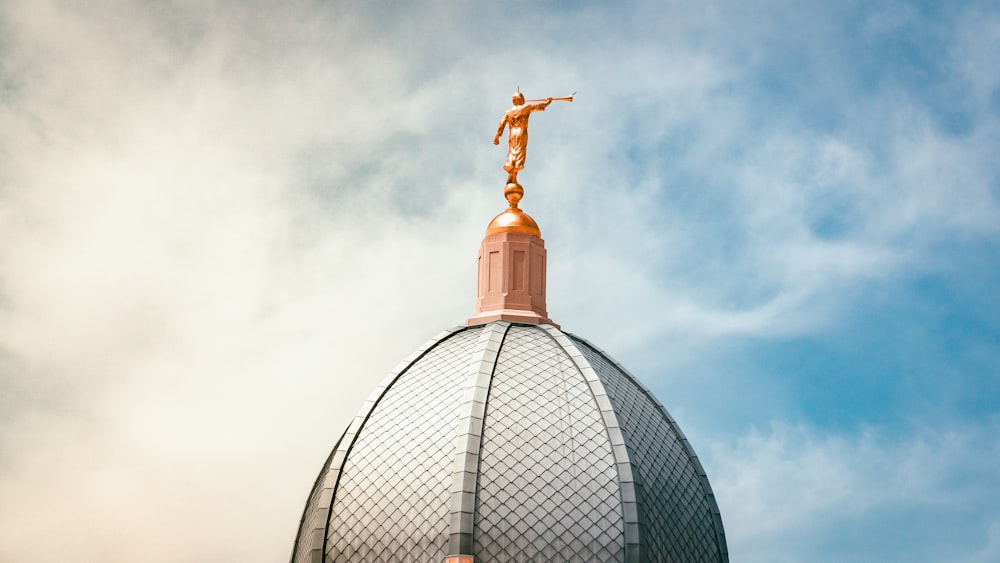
(511, 316)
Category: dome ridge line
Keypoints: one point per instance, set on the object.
(314, 499)
(706, 487)
(623, 463)
(468, 440)
(318, 533)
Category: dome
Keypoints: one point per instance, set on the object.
(513, 220)
(511, 442)
(508, 439)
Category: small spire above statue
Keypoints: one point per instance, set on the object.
(515, 120)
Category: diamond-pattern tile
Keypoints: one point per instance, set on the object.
(392, 500)
(313, 516)
(675, 511)
(548, 487)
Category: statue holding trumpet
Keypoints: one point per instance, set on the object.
(516, 121)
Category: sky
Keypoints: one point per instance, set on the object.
(222, 223)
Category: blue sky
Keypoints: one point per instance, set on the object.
(222, 223)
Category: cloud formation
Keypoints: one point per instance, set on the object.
(222, 223)
(822, 495)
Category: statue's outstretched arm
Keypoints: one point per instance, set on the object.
(541, 106)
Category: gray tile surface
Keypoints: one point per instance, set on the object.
(675, 509)
(515, 443)
(548, 488)
(393, 494)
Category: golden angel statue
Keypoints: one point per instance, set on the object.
(516, 121)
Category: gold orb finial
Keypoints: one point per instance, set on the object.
(513, 192)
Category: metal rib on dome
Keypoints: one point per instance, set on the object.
(311, 541)
(626, 479)
(468, 443)
(548, 484)
(511, 442)
(681, 519)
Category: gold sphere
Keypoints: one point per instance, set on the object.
(513, 192)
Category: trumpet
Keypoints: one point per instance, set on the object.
(568, 98)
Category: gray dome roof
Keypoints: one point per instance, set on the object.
(511, 443)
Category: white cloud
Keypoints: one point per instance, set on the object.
(221, 224)
(794, 487)
(991, 551)
(188, 328)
